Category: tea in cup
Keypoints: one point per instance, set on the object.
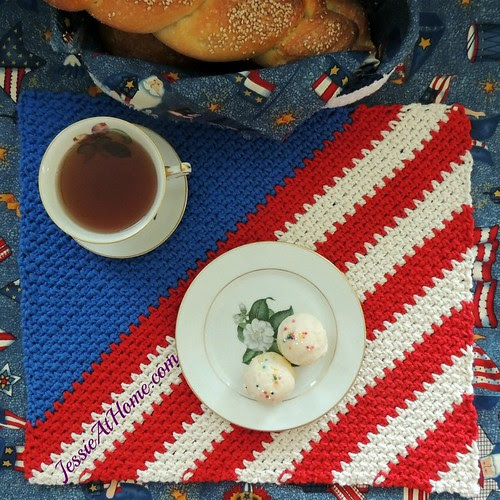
(102, 180)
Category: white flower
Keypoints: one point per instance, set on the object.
(241, 316)
(258, 335)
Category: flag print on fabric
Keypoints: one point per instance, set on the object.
(387, 200)
(10, 420)
(413, 494)
(11, 457)
(438, 90)
(16, 61)
(6, 339)
(349, 492)
(484, 304)
(5, 250)
(486, 373)
(330, 83)
(254, 88)
(486, 247)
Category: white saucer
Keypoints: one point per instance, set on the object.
(210, 352)
(163, 225)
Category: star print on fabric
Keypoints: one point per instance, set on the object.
(3, 154)
(15, 61)
(488, 86)
(13, 52)
(10, 200)
(284, 119)
(424, 42)
(172, 76)
(335, 70)
(214, 106)
(430, 33)
(6, 463)
(12, 290)
(7, 380)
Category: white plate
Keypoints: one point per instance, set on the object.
(210, 352)
(166, 221)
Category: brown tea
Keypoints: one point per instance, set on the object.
(107, 182)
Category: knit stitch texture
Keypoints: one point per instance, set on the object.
(381, 192)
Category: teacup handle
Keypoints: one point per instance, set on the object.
(173, 171)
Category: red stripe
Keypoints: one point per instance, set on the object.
(490, 376)
(380, 402)
(228, 455)
(88, 397)
(140, 445)
(486, 363)
(398, 194)
(255, 77)
(346, 492)
(429, 261)
(443, 444)
(8, 80)
(491, 234)
(127, 355)
(480, 252)
(490, 387)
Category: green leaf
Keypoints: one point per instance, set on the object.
(249, 355)
(274, 348)
(240, 333)
(278, 317)
(259, 310)
(117, 149)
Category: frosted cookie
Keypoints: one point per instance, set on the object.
(302, 339)
(269, 378)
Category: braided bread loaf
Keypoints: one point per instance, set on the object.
(271, 32)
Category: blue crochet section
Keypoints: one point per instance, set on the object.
(75, 303)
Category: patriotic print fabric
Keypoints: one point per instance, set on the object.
(387, 200)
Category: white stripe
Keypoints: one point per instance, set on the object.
(323, 86)
(484, 313)
(388, 156)
(410, 425)
(172, 464)
(390, 345)
(257, 88)
(479, 270)
(420, 223)
(488, 252)
(485, 234)
(462, 477)
(483, 370)
(52, 475)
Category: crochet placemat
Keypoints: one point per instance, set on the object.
(382, 192)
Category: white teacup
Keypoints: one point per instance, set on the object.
(52, 162)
